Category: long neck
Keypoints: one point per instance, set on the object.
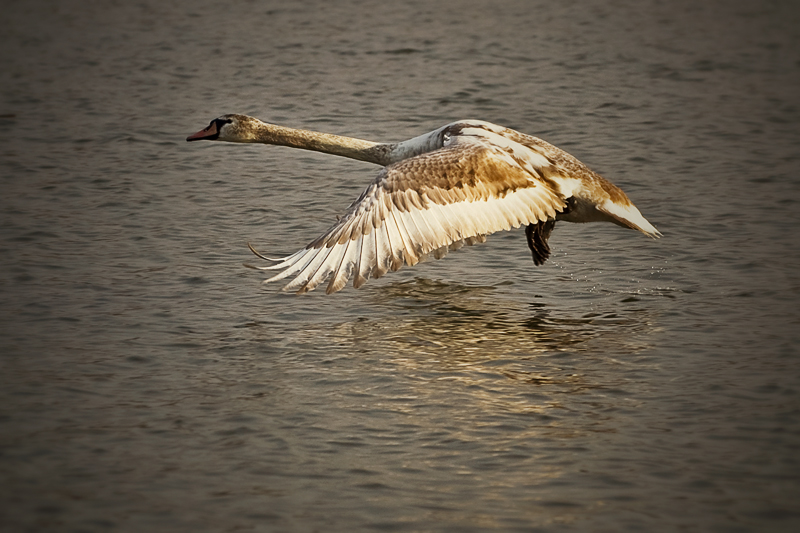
(361, 150)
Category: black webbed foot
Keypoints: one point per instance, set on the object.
(537, 235)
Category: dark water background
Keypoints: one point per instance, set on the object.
(149, 382)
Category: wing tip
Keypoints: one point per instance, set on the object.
(264, 257)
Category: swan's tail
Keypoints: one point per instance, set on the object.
(628, 215)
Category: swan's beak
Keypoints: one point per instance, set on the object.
(209, 133)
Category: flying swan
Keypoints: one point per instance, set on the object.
(437, 192)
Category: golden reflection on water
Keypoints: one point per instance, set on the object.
(503, 351)
(465, 323)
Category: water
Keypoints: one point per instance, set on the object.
(151, 383)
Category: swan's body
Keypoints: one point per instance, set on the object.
(439, 191)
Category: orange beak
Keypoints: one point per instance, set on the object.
(209, 133)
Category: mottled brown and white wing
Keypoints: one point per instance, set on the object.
(419, 207)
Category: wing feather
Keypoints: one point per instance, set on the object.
(295, 267)
(410, 254)
(302, 278)
(364, 266)
(382, 251)
(284, 261)
(346, 265)
(329, 264)
(427, 233)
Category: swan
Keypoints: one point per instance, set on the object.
(437, 192)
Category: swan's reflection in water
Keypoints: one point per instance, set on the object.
(491, 340)
(484, 322)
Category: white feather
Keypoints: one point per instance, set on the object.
(312, 266)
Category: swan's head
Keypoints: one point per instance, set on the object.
(231, 128)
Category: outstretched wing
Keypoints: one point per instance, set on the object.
(423, 206)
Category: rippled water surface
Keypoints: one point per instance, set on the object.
(149, 382)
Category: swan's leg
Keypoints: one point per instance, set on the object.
(537, 235)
